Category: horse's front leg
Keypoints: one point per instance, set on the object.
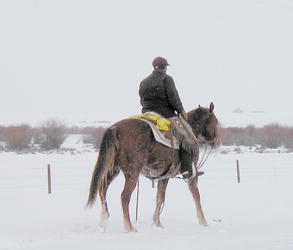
(130, 183)
(192, 184)
(161, 192)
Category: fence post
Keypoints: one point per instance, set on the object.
(49, 179)
(238, 171)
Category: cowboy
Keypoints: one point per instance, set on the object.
(158, 94)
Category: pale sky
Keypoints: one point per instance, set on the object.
(84, 59)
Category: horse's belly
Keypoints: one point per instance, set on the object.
(161, 170)
(152, 172)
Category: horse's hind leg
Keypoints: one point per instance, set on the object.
(130, 183)
(103, 192)
(105, 213)
(192, 184)
(161, 192)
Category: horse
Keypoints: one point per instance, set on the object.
(129, 145)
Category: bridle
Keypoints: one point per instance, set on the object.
(206, 154)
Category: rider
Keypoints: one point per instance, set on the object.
(159, 94)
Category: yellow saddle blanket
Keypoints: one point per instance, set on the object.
(161, 122)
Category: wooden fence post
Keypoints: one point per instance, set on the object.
(238, 171)
(49, 179)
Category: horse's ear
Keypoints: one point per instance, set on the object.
(212, 106)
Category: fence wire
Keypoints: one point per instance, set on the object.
(67, 176)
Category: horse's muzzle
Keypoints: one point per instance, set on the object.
(216, 142)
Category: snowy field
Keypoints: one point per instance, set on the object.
(255, 214)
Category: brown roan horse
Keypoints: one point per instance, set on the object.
(129, 145)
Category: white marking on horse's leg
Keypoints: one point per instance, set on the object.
(104, 217)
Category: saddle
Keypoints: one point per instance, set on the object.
(174, 132)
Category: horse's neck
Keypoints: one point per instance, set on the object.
(194, 125)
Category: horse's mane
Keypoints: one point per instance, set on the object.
(197, 116)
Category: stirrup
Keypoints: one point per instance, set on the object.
(199, 173)
(189, 174)
(186, 175)
(195, 172)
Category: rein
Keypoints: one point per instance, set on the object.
(137, 197)
(203, 160)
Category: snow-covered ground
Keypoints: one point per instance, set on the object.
(253, 215)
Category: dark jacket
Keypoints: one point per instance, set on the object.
(158, 93)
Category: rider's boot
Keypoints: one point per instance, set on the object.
(188, 169)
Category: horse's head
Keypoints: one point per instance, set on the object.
(205, 125)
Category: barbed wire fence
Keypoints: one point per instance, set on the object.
(68, 175)
(17, 177)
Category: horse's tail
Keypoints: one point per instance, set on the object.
(105, 163)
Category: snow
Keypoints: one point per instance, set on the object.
(255, 214)
(76, 144)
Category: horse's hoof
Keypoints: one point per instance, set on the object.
(103, 221)
(103, 226)
(132, 230)
(159, 225)
(203, 223)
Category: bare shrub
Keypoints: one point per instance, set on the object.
(226, 136)
(231, 136)
(288, 138)
(250, 136)
(2, 133)
(18, 137)
(271, 136)
(37, 135)
(53, 134)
